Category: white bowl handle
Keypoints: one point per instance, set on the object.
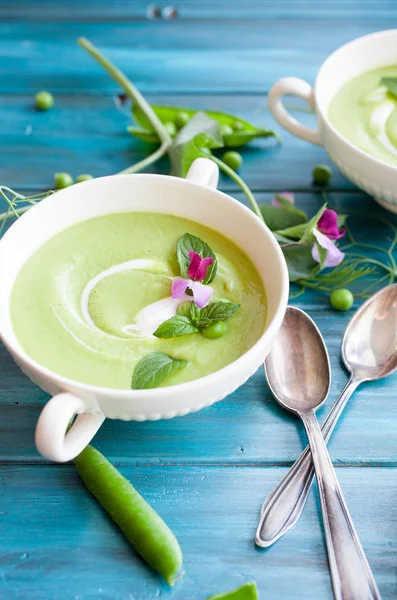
(204, 172)
(297, 87)
(52, 438)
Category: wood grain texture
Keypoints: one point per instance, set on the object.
(230, 56)
(64, 546)
(125, 10)
(88, 134)
(208, 473)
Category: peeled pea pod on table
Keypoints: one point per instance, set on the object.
(235, 131)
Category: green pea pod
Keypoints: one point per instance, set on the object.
(248, 591)
(144, 134)
(240, 138)
(141, 525)
(243, 132)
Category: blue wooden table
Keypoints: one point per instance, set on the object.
(208, 473)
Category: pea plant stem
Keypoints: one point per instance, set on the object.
(18, 212)
(149, 160)
(129, 88)
(241, 183)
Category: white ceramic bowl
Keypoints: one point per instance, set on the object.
(359, 56)
(194, 198)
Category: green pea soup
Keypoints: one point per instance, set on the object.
(365, 113)
(75, 301)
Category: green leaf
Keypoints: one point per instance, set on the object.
(390, 83)
(194, 312)
(190, 242)
(175, 327)
(213, 313)
(144, 134)
(154, 369)
(287, 204)
(300, 263)
(199, 133)
(303, 232)
(277, 218)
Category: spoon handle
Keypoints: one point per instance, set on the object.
(285, 503)
(351, 574)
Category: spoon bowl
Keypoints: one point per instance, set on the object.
(297, 368)
(369, 346)
(298, 373)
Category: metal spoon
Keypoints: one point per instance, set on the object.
(298, 373)
(369, 351)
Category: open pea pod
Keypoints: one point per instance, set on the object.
(144, 134)
(243, 131)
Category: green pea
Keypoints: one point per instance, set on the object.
(237, 126)
(341, 299)
(83, 177)
(62, 180)
(181, 118)
(44, 100)
(248, 591)
(216, 330)
(141, 525)
(226, 129)
(183, 309)
(321, 174)
(234, 160)
(171, 128)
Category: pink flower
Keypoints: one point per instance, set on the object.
(286, 195)
(198, 266)
(334, 255)
(201, 293)
(328, 224)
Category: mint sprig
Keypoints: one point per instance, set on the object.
(194, 319)
(154, 369)
(175, 327)
(213, 313)
(188, 243)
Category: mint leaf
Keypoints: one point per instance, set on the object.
(390, 83)
(277, 218)
(213, 313)
(154, 369)
(190, 242)
(175, 327)
(300, 263)
(194, 312)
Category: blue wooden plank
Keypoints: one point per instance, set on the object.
(249, 427)
(171, 56)
(57, 542)
(197, 9)
(88, 134)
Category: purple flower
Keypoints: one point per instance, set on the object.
(334, 255)
(198, 266)
(201, 293)
(328, 224)
(286, 195)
